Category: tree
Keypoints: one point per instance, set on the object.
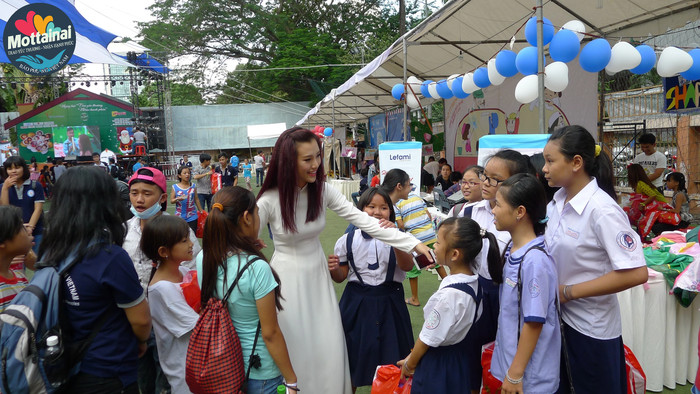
(35, 91)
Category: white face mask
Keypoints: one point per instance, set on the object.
(147, 214)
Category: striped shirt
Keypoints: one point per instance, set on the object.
(416, 220)
(10, 287)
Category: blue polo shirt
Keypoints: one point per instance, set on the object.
(25, 199)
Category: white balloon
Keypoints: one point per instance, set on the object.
(468, 85)
(577, 27)
(624, 57)
(415, 83)
(494, 76)
(432, 88)
(526, 91)
(673, 61)
(451, 79)
(556, 76)
(412, 102)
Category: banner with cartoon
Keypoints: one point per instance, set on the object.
(377, 130)
(494, 110)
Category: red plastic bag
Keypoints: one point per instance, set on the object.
(387, 380)
(215, 182)
(191, 291)
(489, 384)
(636, 379)
(201, 219)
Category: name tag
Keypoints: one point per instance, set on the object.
(510, 282)
(572, 233)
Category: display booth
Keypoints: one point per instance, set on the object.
(527, 144)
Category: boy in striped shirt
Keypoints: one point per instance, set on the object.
(15, 241)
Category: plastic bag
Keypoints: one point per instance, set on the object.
(387, 380)
(489, 384)
(636, 379)
(215, 182)
(191, 291)
(201, 219)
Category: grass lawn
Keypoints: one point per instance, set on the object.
(427, 283)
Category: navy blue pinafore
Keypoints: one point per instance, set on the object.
(445, 369)
(375, 320)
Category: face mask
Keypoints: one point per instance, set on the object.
(147, 214)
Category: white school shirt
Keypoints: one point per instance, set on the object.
(366, 252)
(588, 237)
(482, 214)
(449, 313)
(173, 322)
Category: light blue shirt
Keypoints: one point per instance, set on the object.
(71, 146)
(246, 169)
(136, 167)
(255, 283)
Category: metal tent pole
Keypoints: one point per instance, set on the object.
(335, 159)
(405, 105)
(540, 66)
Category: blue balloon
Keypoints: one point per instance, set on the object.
(397, 91)
(505, 63)
(595, 55)
(481, 77)
(424, 89)
(444, 90)
(526, 61)
(648, 60)
(531, 31)
(693, 73)
(328, 132)
(564, 46)
(457, 88)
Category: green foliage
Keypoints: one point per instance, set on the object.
(30, 92)
(419, 129)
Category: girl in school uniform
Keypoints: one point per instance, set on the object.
(597, 254)
(374, 293)
(439, 363)
(528, 362)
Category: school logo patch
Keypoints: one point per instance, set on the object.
(534, 288)
(30, 193)
(572, 233)
(626, 241)
(433, 320)
(510, 282)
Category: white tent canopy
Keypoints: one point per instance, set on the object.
(465, 34)
(263, 131)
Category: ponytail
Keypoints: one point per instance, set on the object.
(604, 175)
(467, 235)
(494, 259)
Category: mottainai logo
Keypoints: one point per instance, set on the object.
(39, 39)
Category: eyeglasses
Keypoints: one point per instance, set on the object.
(471, 184)
(493, 182)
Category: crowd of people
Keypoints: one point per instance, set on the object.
(535, 257)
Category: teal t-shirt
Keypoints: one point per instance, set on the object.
(257, 282)
(246, 169)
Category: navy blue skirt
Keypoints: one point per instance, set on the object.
(442, 370)
(377, 328)
(484, 330)
(597, 365)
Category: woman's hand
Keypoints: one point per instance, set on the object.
(510, 388)
(562, 299)
(260, 244)
(333, 262)
(421, 248)
(383, 223)
(406, 371)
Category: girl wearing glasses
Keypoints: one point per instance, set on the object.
(471, 189)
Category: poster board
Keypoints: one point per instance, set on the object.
(527, 144)
(403, 155)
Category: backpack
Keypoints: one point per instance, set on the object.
(35, 314)
(467, 212)
(214, 355)
(117, 172)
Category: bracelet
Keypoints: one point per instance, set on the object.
(567, 293)
(514, 381)
(291, 386)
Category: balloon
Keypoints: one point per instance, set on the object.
(397, 91)
(526, 61)
(623, 57)
(415, 84)
(673, 61)
(468, 85)
(432, 88)
(318, 128)
(424, 89)
(556, 76)
(505, 63)
(595, 55)
(526, 91)
(693, 73)
(451, 79)
(564, 46)
(443, 90)
(411, 101)
(328, 132)
(648, 60)
(457, 89)
(494, 76)
(531, 31)
(481, 77)
(576, 27)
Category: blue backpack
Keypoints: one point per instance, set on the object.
(35, 314)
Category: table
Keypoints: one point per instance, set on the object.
(346, 186)
(662, 334)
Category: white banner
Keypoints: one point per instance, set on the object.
(403, 155)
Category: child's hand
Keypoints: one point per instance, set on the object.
(260, 244)
(405, 370)
(510, 388)
(383, 223)
(333, 262)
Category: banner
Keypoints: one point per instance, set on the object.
(377, 130)
(681, 95)
(403, 155)
(494, 110)
(394, 120)
(527, 144)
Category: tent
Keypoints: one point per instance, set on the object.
(527, 144)
(264, 131)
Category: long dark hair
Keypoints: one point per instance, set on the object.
(368, 195)
(393, 178)
(85, 207)
(516, 162)
(680, 178)
(537, 161)
(465, 234)
(222, 235)
(577, 141)
(636, 174)
(526, 190)
(162, 230)
(282, 174)
(16, 161)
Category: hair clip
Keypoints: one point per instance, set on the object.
(545, 220)
(482, 232)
